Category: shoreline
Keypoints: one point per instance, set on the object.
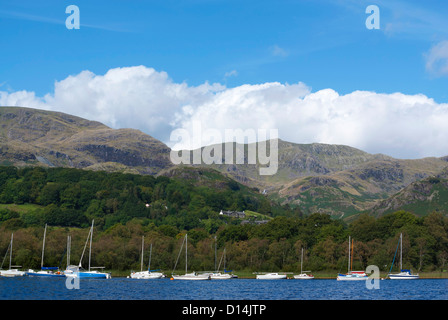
(317, 276)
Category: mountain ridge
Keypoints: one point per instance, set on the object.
(335, 179)
(38, 137)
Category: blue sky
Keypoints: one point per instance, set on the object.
(321, 43)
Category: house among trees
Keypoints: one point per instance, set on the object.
(233, 214)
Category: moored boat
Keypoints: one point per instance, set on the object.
(191, 275)
(220, 276)
(303, 274)
(404, 274)
(45, 271)
(148, 274)
(271, 276)
(12, 271)
(78, 271)
(351, 275)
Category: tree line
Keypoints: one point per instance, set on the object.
(70, 197)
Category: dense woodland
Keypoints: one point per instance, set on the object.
(126, 207)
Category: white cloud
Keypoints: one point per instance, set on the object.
(403, 126)
(232, 73)
(133, 97)
(437, 59)
(278, 52)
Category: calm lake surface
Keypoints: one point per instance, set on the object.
(35, 288)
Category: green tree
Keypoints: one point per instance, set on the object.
(364, 228)
(49, 194)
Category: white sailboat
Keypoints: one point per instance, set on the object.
(404, 274)
(148, 274)
(303, 274)
(218, 275)
(45, 271)
(192, 275)
(78, 271)
(11, 272)
(271, 276)
(351, 275)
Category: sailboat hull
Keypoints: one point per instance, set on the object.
(12, 273)
(344, 277)
(271, 276)
(403, 276)
(146, 275)
(303, 277)
(192, 276)
(220, 276)
(89, 275)
(45, 274)
(77, 272)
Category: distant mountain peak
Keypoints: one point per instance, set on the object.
(38, 137)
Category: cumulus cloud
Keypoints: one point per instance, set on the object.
(403, 126)
(132, 97)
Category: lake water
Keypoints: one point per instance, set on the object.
(222, 299)
(35, 288)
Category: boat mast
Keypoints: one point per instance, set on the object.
(215, 255)
(348, 253)
(351, 260)
(180, 252)
(90, 249)
(224, 259)
(186, 257)
(43, 248)
(401, 251)
(69, 240)
(150, 253)
(10, 251)
(301, 262)
(224, 253)
(141, 264)
(85, 246)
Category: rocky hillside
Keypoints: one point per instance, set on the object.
(421, 197)
(37, 137)
(295, 161)
(351, 191)
(335, 179)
